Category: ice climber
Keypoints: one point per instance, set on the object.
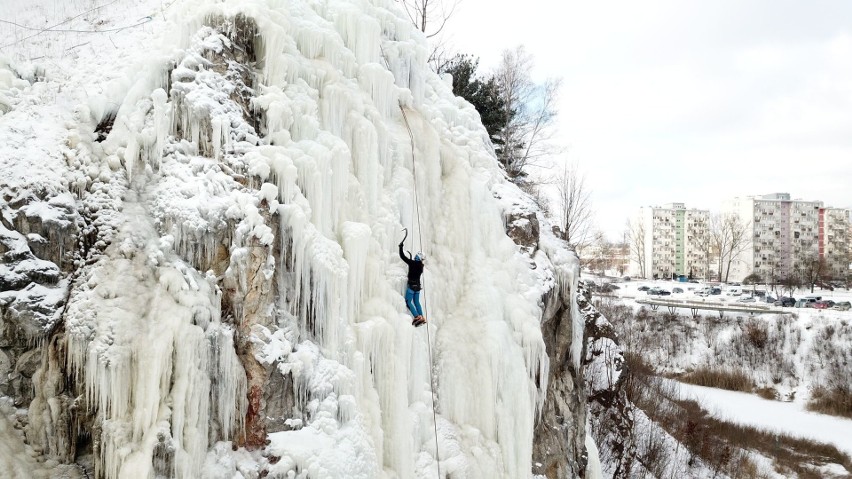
(412, 291)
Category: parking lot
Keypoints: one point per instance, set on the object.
(721, 296)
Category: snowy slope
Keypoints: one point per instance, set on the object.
(803, 348)
(784, 417)
(242, 213)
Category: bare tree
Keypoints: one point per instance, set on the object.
(810, 267)
(775, 275)
(529, 112)
(575, 206)
(752, 279)
(429, 16)
(718, 240)
(738, 232)
(636, 243)
(790, 283)
(729, 236)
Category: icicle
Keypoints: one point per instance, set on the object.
(360, 33)
(365, 161)
(356, 242)
(162, 122)
(230, 379)
(379, 84)
(131, 154)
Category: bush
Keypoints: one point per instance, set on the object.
(726, 378)
(767, 393)
(722, 446)
(836, 401)
(757, 334)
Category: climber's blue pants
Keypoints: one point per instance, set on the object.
(412, 300)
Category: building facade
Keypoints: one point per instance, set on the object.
(834, 242)
(675, 242)
(787, 236)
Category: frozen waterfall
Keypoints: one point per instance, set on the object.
(241, 310)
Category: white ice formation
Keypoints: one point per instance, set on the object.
(263, 160)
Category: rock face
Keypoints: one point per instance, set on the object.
(610, 412)
(253, 303)
(523, 228)
(38, 235)
(559, 437)
(559, 447)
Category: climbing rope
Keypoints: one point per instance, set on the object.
(425, 305)
(420, 240)
(425, 308)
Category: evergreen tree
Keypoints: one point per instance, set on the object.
(482, 93)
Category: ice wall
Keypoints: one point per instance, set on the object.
(265, 156)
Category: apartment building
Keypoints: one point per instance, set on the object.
(675, 242)
(834, 241)
(605, 257)
(786, 234)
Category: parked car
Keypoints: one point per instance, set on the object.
(643, 288)
(785, 301)
(625, 278)
(842, 306)
(693, 281)
(770, 299)
(716, 291)
(747, 299)
(677, 290)
(663, 292)
(823, 304)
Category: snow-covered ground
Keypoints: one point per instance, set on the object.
(793, 351)
(784, 417)
(630, 289)
(788, 351)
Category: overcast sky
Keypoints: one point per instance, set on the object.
(693, 102)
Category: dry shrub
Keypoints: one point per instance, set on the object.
(728, 378)
(836, 401)
(721, 445)
(757, 333)
(767, 393)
